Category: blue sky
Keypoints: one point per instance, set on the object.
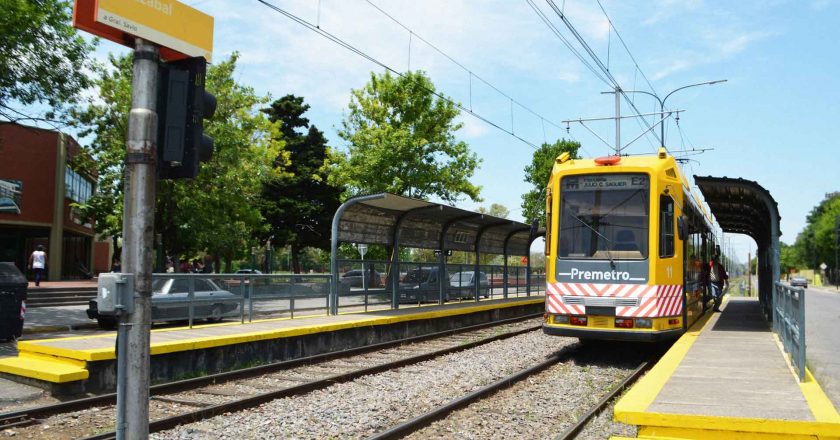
(772, 122)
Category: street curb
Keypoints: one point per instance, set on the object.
(58, 328)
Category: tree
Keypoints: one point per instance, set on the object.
(105, 120)
(218, 211)
(496, 210)
(299, 205)
(401, 140)
(42, 57)
(815, 244)
(538, 174)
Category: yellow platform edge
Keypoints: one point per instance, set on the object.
(631, 408)
(33, 349)
(42, 369)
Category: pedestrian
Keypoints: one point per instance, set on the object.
(718, 279)
(38, 262)
(116, 265)
(185, 266)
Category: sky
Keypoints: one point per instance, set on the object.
(773, 121)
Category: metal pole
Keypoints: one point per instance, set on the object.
(138, 228)
(617, 121)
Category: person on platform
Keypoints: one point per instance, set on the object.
(718, 279)
(38, 262)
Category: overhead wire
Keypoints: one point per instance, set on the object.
(459, 64)
(381, 64)
(610, 79)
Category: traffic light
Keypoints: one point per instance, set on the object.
(183, 104)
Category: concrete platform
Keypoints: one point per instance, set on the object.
(87, 363)
(728, 377)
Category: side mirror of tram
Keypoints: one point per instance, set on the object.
(682, 227)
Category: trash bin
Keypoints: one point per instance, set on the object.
(12, 301)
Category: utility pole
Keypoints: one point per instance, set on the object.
(138, 229)
(618, 121)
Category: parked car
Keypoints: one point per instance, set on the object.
(799, 282)
(170, 301)
(462, 284)
(249, 271)
(353, 278)
(421, 285)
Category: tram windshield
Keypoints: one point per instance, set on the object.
(604, 217)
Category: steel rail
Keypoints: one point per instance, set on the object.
(572, 431)
(259, 399)
(31, 415)
(442, 411)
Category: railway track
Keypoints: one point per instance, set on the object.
(417, 425)
(195, 399)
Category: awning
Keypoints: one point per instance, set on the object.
(744, 207)
(377, 219)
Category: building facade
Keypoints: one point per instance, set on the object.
(37, 188)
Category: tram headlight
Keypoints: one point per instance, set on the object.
(643, 323)
(561, 319)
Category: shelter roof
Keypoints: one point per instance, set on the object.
(741, 206)
(429, 225)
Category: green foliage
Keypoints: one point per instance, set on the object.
(218, 211)
(105, 120)
(815, 244)
(42, 57)
(401, 140)
(538, 174)
(496, 210)
(299, 205)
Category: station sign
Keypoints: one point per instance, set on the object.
(180, 30)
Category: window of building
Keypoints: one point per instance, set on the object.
(76, 187)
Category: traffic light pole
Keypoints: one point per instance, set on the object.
(138, 230)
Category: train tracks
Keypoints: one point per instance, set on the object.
(419, 427)
(190, 400)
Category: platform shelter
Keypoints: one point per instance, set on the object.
(395, 221)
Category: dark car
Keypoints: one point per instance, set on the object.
(421, 285)
(170, 302)
(799, 282)
(353, 278)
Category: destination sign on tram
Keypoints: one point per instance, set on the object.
(605, 182)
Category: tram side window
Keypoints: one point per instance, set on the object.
(666, 226)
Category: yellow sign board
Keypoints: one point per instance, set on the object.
(168, 23)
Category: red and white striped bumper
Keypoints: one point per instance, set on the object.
(629, 300)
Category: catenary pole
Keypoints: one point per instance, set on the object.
(138, 229)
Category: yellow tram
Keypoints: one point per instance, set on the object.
(626, 243)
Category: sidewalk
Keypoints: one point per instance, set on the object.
(54, 319)
(63, 284)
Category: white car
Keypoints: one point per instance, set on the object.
(170, 302)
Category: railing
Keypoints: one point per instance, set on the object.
(789, 323)
(214, 297)
(419, 283)
(363, 286)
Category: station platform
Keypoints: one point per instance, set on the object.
(728, 377)
(86, 364)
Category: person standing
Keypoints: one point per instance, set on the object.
(718, 279)
(38, 262)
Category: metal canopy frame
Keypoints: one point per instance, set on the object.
(392, 220)
(745, 207)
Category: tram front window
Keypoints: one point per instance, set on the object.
(604, 217)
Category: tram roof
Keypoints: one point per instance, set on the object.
(374, 220)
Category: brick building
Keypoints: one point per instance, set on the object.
(36, 190)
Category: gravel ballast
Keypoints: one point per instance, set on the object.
(373, 403)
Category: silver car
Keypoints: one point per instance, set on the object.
(799, 282)
(170, 302)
